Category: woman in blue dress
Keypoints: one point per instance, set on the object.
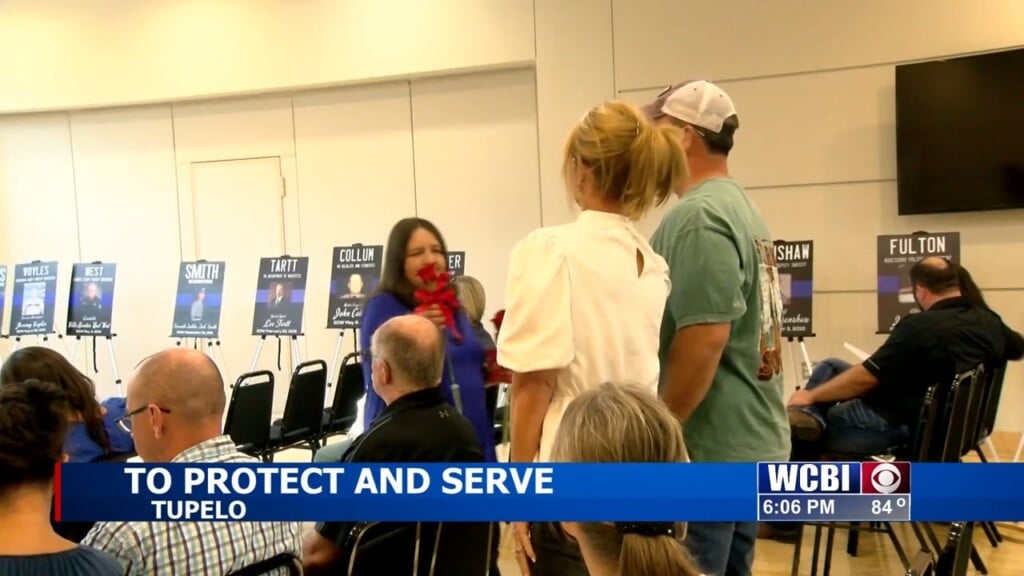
(413, 244)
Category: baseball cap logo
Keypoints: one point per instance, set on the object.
(885, 477)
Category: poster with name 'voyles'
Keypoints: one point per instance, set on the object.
(91, 300)
(355, 272)
(199, 300)
(280, 296)
(795, 262)
(457, 264)
(34, 298)
(896, 255)
(3, 291)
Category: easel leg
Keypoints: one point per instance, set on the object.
(797, 380)
(256, 356)
(223, 358)
(113, 366)
(337, 352)
(296, 356)
(1020, 446)
(74, 350)
(808, 367)
(17, 344)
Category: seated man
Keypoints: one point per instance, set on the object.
(175, 406)
(870, 407)
(417, 426)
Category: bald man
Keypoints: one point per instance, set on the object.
(174, 409)
(417, 426)
(873, 406)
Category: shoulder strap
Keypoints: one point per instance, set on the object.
(456, 394)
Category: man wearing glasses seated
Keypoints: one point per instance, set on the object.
(174, 409)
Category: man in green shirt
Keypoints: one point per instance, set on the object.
(721, 344)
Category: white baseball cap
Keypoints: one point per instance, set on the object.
(696, 102)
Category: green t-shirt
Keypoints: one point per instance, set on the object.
(722, 265)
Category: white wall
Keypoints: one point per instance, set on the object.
(63, 54)
(814, 87)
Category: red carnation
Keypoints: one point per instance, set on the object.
(440, 292)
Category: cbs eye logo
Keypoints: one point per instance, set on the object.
(885, 478)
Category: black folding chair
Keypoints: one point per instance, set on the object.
(420, 549)
(303, 410)
(281, 564)
(249, 413)
(987, 423)
(341, 415)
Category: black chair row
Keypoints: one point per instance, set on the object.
(955, 418)
(306, 423)
(422, 548)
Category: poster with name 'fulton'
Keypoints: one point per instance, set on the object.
(355, 272)
(795, 262)
(896, 255)
(34, 298)
(199, 300)
(280, 296)
(3, 291)
(91, 300)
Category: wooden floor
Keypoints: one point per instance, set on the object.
(875, 553)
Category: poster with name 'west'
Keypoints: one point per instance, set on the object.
(355, 272)
(3, 291)
(280, 296)
(457, 264)
(896, 255)
(91, 300)
(34, 298)
(199, 300)
(795, 262)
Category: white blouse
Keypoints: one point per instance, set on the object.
(575, 302)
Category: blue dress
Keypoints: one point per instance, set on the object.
(80, 447)
(466, 357)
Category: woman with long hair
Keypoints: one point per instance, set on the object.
(33, 424)
(584, 301)
(416, 245)
(92, 432)
(624, 424)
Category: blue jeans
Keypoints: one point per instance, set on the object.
(851, 426)
(722, 548)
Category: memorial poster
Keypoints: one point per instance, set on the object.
(795, 262)
(91, 299)
(457, 264)
(199, 300)
(896, 255)
(280, 296)
(34, 298)
(355, 273)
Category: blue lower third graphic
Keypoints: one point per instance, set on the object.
(833, 508)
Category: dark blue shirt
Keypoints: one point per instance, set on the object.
(465, 357)
(80, 561)
(80, 447)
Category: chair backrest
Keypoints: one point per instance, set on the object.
(990, 408)
(955, 417)
(304, 408)
(924, 435)
(280, 564)
(249, 411)
(420, 549)
(349, 390)
(975, 406)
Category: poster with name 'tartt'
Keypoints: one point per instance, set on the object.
(795, 262)
(280, 296)
(896, 255)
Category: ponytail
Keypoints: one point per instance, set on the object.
(33, 422)
(657, 167)
(657, 553)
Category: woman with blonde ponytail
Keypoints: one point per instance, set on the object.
(584, 301)
(615, 424)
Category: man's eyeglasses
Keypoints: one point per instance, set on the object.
(125, 422)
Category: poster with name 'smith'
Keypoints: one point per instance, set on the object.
(355, 273)
(896, 255)
(795, 262)
(34, 298)
(91, 299)
(280, 296)
(199, 299)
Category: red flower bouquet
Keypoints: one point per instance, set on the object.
(439, 292)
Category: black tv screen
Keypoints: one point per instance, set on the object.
(960, 134)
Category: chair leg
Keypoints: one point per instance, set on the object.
(987, 529)
(981, 454)
(829, 540)
(814, 553)
(995, 531)
(853, 539)
(896, 545)
(936, 545)
(796, 552)
(979, 564)
(919, 534)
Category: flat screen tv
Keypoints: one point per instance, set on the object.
(960, 134)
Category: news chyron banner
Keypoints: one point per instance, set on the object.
(33, 299)
(3, 291)
(198, 301)
(91, 299)
(457, 264)
(896, 255)
(355, 272)
(735, 492)
(280, 296)
(795, 262)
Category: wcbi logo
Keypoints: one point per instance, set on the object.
(833, 478)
